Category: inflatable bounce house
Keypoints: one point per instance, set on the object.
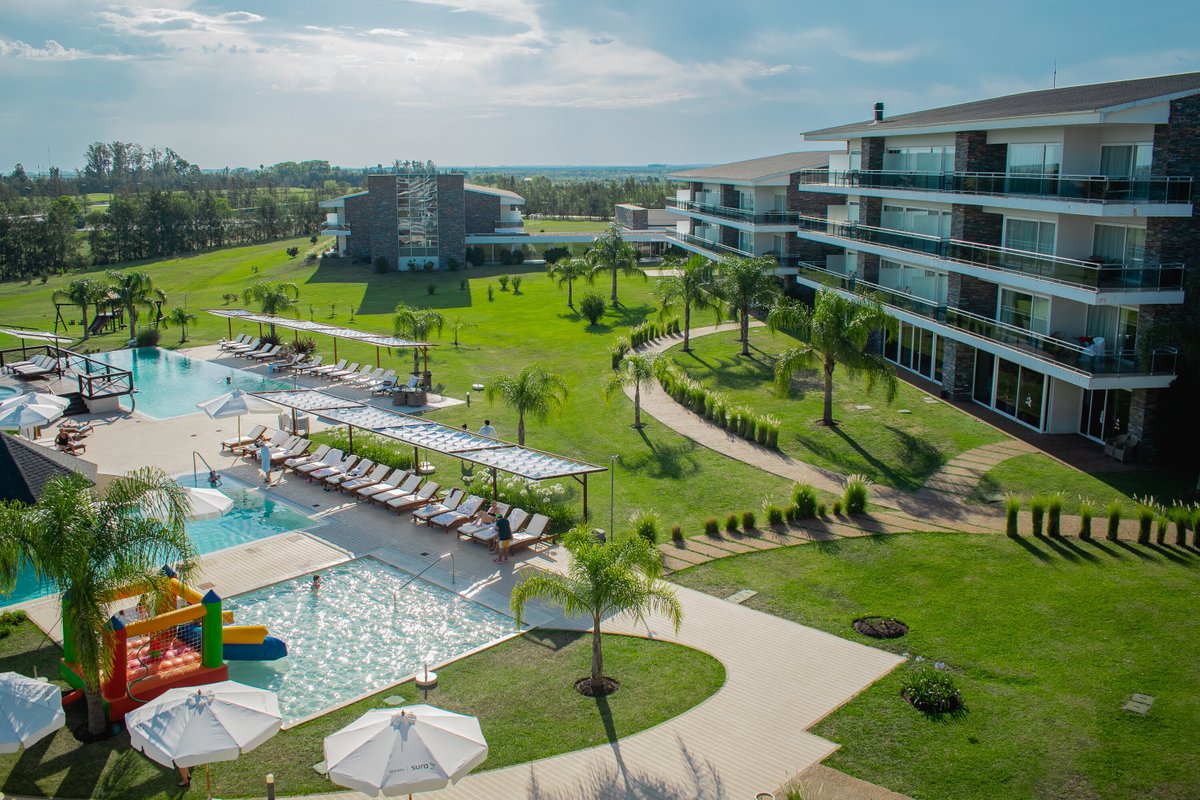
(186, 642)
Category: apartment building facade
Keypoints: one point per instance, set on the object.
(1033, 248)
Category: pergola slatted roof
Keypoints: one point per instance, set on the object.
(32, 333)
(308, 399)
(307, 326)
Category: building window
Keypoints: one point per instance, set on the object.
(920, 282)
(927, 221)
(919, 159)
(1026, 311)
(1119, 244)
(1126, 160)
(417, 217)
(1035, 159)
(1030, 235)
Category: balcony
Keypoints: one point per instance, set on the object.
(735, 214)
(1078, 358)
(1080, 188)
(716, 249)
(509, 224)
(1088, 275)
(336, 229)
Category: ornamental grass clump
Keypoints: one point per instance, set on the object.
(804, 498)
(1145, 518)
(836, 507)
(645, 525)
(931, 690)
(747, 521)
(676, 533)
(1113, 512)
(1037, 513)
(1054, 506)
(855, 496)
(1086, 512)
(711, 528)
(1180, 516)
(1012, 508)
(1163, 525)
(731, 523)
(820, 509)
(774, 515)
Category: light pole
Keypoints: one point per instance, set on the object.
(612, 495)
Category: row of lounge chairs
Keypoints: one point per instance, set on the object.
(36, 367)
(376, 380)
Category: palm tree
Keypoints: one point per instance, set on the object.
(90, 547)
(132, 291)
(744, 283)
(693, 285)
(460, 324)
(532, 392)
(417, 324)
(181, 318)
(635, 370)
(276, 298)
(81, 292)
(568, 271)
(611, 253)
(618, 577)
(835, 331)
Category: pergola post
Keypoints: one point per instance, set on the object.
(335, 358)
(585, 509)
(230, 321)
(350, 430)
(495, 489)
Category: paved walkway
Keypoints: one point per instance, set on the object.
(962, 473)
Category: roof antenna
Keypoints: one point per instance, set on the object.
(1054, 79)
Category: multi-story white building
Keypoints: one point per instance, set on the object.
(1033, 247)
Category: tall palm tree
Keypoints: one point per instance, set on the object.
(532, 392)
(277, 298)
(180, 317)
(693, 286)
(634, 370)
(611, 253)
(617, 577)
(133, 291)
(568, 271)
(744, 283)
(91, 546)
(81, 292)
(417, 324)
(834, 331)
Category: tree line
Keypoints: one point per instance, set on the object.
(580, 198)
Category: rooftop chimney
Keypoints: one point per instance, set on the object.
(878, 108)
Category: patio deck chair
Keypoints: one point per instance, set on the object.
(248, 347)
(363, 371)
(465, 512)
(225, 344)
(297, 449)
(385, 385)
(424, 495)
(477, 525)
(408, 486)
(375, 476)
(534, 532)
(328, 368)
(305, 458)
(263, 355)
(366, 380)
(448, 503)
(357, 471)
(341, 373)
(374, 382)
(29, 362)
(243, 353)
(308, 366)
(42, 366)
(345, 465)
(386, 485)
(255, 432)
(516, 520)
(332, 457)
(274, 440)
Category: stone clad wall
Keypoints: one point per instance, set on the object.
(452, 219)
(632, 217)
(972, 153)
(358, 217)
(385, 238)
(481, 210)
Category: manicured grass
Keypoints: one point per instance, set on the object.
(1046, 640)
(1034, 474)
(566, 226)
(894, 449)
(521, 691)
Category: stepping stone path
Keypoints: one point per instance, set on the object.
(742, 596)
(1137, 703)
(962, 474)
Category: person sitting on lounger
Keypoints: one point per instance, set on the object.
(77, 430)
(64, 442)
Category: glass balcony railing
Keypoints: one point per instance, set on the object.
(1085, 188)
(1074, 272)
(716, 248)
(738, 214)
(1086, 359)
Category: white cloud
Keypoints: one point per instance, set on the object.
(834, 40)
(601, 40)
(158, 21)
(397, 32)
(867, 56)
(776, 69)
(52, 51)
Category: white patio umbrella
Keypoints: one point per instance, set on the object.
(414, 749)
(29, 710)
(36, 398)
(207, 503)
(29, 415)
(189, 726)
(236, 404)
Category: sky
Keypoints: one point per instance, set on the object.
(490, 82)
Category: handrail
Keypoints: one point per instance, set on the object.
(431, 565)
(195, 473)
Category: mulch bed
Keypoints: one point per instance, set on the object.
(880, 627)
(584, 687)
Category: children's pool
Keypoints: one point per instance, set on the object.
(169, 384)
(359, 633)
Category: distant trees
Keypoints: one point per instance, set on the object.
(579, 197)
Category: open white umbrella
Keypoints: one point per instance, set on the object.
(189, 726)
(236, 404)
(36, 398)
(29, 710)
(414, 749)
(29, 415)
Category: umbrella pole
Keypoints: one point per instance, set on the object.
(495, 493)
(208, 781)
(239, 424)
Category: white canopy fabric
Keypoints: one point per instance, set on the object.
(235, 404)
(30, 710)
(29, 333)
(414, 749)
(189, 726)
(36, 398)
(308, 326)
(31, 415)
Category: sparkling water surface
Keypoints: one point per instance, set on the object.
(359, 633)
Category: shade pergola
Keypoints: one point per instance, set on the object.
(422, 434)
(335, 331)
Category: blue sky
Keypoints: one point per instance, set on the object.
(244, 82)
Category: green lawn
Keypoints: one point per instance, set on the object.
(657, 469)
(1046, 639)
(566, 226)
(894, 449)
(521, 691)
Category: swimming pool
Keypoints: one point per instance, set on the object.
(8, 392)
(170, 384)
(360, 633)
(253, 516)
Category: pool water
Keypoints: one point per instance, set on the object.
(170, 385)
(360, 633)
(8, 392)
(253, 516)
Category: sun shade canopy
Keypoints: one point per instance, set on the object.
(30, 333)
(336, 331)
(307, 399)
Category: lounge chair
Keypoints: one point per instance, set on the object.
(517, 517)
(263, 355)
(252, 436)
(345, 465)
(427, 493)
(241, 353)
(308, 366)
(245, 347)
(363, 372)
(449, 503)
(376, 475)
(317, 455)
(477, 525)
(331, 457)
(385, 385)
(366, 380)
(407, 487)
(275, 440)
(465, 512)
(328, 368)
(390, 484)
(341, 373)
(360, 469)
(43, 366)
(297, 450)
(534, 532)
(369, 385)
(241, 338)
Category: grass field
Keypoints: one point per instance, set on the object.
(1046, 640)
(566, 226)
(521, 691)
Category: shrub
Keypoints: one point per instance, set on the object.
(491, 293)
(804, 498)
(731, 523)
(292, 251)
(820, 509)
(676, 533)
(931, 690)
(836, 507)
(148, 337)
(1160, 533)
(618, 351)
(711, 528)
(1195, 523)
(412, 265)
(645, 525)
(1086, 512)
(1012, 509)
(10, 621)
(431, 288)
(504, 279)
(305, 346)
(1145, 517)
(1180, 516)
(591, 306)
(462, 286)
(551, 499)
(453, 265)
(553, 255)
(1037, 513)
(429, 266)
(747, 521)
(1054, 505)
(507, 258)
(774, 515)
(1113, 511)
(760, 432)
(516, 283)
(518, 257)
(791, 514)
(857, 491)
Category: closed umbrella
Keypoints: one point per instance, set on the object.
(414, 749)
(30, 710)
(187, 726)
(207, 503)
(235, 404)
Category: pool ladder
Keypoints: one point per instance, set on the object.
(195, 479)
(429, 566)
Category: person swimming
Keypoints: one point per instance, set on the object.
(316, 584)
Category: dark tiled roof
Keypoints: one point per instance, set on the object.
(757, 168)
(475, 187)
(1069, 99)
(25, 471)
